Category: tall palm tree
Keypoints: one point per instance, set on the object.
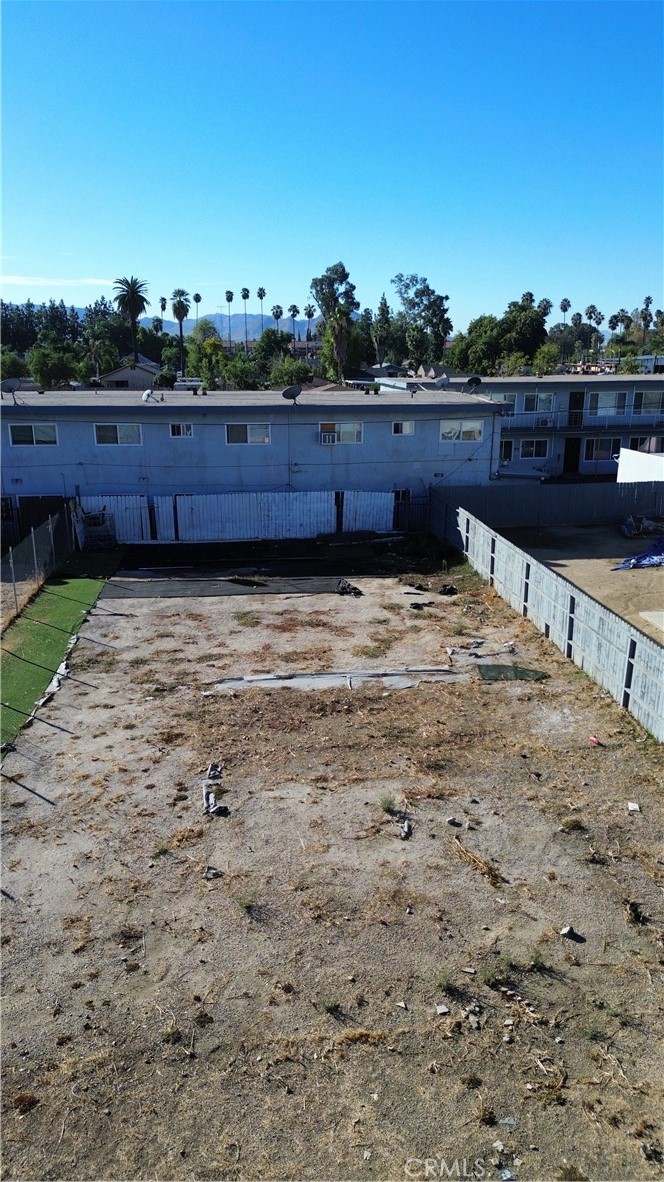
(260, 295)
(277, 313)
(309, 312)
(197, 299)
(565, 306)
(157, 324)
(180, 307)
(245, 296)
(132, 301)
(293, 311)
(163, 304)
(229, 301)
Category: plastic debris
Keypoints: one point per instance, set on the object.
(510, 673)
(508, 1120)
(406, 830)
(595, 741)
(633, 807)
(402, 1005)
(448, 589)
(346, 588)
(507, 1175)
(568, 932)
(470, 972)
(441, 1010)
(212, 872)
(453, 821)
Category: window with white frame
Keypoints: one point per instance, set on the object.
(405, 427)
(506, 451)
(648, 402)
(601, 449)
(507, 401)
(647, 443)
(607, 402)
(124, 433)
(534, 449)
(341, 432)
(538, 402)
(461, 430)
(181, 430)
(32, 434)
(247, 433)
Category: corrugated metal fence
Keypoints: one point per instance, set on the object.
(615, 654)
(508, 506)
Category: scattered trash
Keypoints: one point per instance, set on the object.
(507, 1175)
(448, 589)
(498, 1145)
(213, 772)
(651, 1152)
(409, 911)
(212, 872)
(453, 821)
(402, 1005)
(418, 607)
(653, 556)
(508, 1120)
(476, 644)
(633, 807)
(568, 932)
(510, 673)
(595, 741)
(406, 830)
(633, 912)
(474, 1021)
(508, 1038)
(346, 588)
(441, 1010)
(367, 1154)
(471, 972)
(211, 805)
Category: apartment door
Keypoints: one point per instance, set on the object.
(572, 454)
(575, 408)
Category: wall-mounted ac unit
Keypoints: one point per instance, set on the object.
(328, 437)
(545, 422)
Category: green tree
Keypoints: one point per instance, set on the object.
(260, 295)
(197, 299)
(333, 290)
(245, 296)
(293, 312)
(287, 371)
(381, 328)
(11, 365)
(277, 313)
(565, 306)
(131, 300)
(163, 304)
(424, 308)
(229, 301)
(272, 344)
(512, 363)
(646, 318)
(546, 359)
(180, 307)
(50, 366)
(309, 312)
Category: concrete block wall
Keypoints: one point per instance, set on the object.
(619, 657)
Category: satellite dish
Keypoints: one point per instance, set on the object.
(291, 392)
(441, 382)
(473, 383)
(11, 385)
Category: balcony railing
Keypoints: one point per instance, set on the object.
(577, 420)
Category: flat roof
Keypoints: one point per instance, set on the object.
(231, 400)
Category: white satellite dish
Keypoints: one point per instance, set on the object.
(441, 382)
(11, 385)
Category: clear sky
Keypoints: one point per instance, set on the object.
(494, 147)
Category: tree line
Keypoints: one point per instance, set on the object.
(53, 344)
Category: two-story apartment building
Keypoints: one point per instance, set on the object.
(574, 426)
(161, 448)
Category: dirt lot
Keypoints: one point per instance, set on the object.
(254, 994)
(586, 556)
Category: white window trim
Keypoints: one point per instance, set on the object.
(648, 410)
(249, 442)
(463, 425)
(410, 423)
(534, 441)
(32, 427)
(597, 442)
(329, 428)
(131, 443)
(607, 412)
(184, 430)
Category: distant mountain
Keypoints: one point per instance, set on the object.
(220, 321)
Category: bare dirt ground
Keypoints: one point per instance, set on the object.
(586, 556)
(254, 995)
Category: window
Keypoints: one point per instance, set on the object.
(404, 428)
(601, 449)
(247, 433)
(648, 443)
(181, 430)
(534, 449)
(32, 434)
(608, 403)
(464, 430)
(649, 403)
(506, 450)
(117, 433)
(538, 402)
(341, 432)
(508, 401)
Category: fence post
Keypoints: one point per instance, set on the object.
(50, 531)
(11, 567)
(34, 551)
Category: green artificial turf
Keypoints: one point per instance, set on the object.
(35, 644)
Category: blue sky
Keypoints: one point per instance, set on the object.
(494, 147)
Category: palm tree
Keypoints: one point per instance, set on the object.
(180, 306)
(260, 295)
(229, 301)
(277, 313)
(565, 306)
(645, 316)
(293, 311)
(163, 304)
(132, 301)
(245, 296)
(309, 312)
(157, 324)
(197, 299)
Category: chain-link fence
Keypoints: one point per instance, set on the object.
(25, 567)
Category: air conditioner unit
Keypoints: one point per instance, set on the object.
(545, 422)
(328, 437)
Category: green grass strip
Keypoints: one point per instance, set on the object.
(35, 644)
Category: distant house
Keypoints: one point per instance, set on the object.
(131, 377)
